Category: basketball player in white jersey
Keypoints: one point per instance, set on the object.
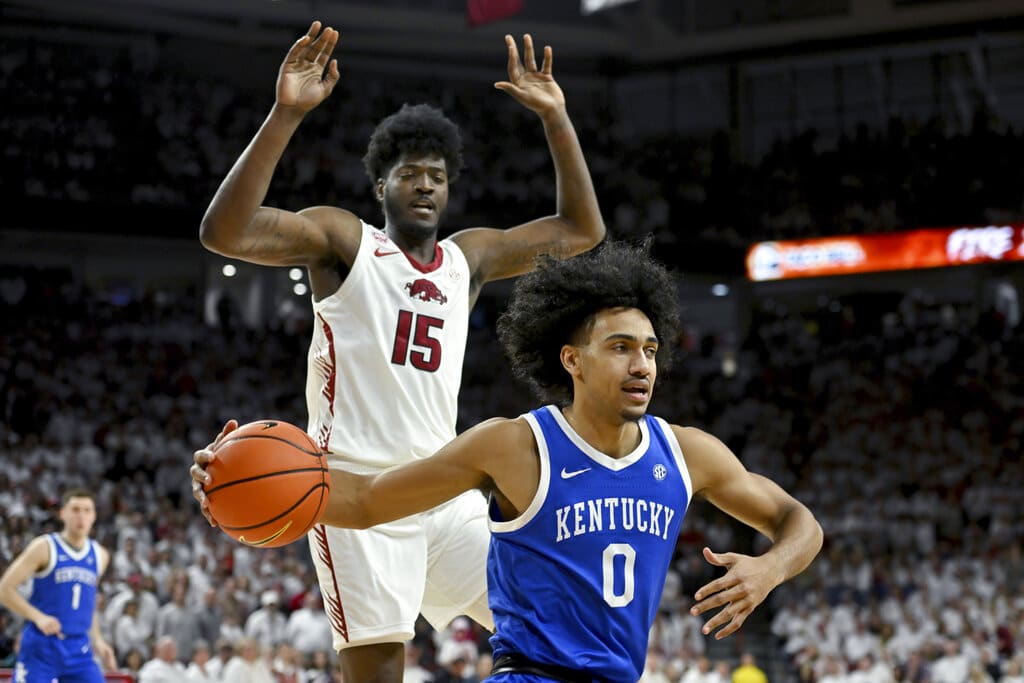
(391, 311)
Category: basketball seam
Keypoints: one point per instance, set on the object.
(274, 519)
(316, 454)
(265, 475)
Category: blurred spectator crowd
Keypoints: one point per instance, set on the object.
(900, 424)
(119, 128)
(901, 428)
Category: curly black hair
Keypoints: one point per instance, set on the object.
(556, 303)
(417, 129)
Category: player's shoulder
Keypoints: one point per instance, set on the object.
(333, 219)
(38, 550)
(341, 228)
(499, 436)
(102, 552)
(502, 426)
(693, 436)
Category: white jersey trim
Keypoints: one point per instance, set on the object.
(614, 464)
(542, 484)
(677, 451)
(53, 558)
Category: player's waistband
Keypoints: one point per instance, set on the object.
(513, 662)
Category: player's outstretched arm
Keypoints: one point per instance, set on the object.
(495, 456)
(235, 224)
(796, 536)
(33, 559)
(577, 224)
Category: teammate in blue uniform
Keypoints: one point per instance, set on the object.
(61, 630)
(588, 492)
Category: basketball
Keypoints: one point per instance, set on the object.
(269, 484)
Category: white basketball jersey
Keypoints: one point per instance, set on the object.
(385, 363)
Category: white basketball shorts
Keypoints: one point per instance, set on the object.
(376, 581)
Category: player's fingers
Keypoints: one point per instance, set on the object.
(716, 600)
(719, 584)
(730, 627)
(332, 77)
(203, 457)
(229, 426)
(328, 48)
(719, 559)
(199, 475)
(529, 59)
(300, 45)
(204, 504)
(509, 88)
(717, 621)
(549, 58)
(313, 48)
(324, 44)
(514, 68)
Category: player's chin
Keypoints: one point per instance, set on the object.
(632, 413)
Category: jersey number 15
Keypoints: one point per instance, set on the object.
(425, 353)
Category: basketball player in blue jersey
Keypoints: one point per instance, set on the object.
(61, 630)
(391, 315)
(587, 494)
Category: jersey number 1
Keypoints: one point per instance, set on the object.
(76, 595)
(426, 350)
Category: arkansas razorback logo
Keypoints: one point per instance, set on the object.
(425, 290)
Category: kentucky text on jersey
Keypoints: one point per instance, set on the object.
(76, 575)
(629, 514)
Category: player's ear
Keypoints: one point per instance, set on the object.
(570, 357)
(379, 190)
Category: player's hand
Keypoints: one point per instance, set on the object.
(302, 82)
(50, 626)
(106, 654)
(534, 88)
(744, 586)
(202, 458)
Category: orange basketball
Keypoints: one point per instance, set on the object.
(268, 484)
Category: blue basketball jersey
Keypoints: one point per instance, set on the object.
(66, 588)
(576, 579)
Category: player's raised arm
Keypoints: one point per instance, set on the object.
(577, 224)
(235, 223)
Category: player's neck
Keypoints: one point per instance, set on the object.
(75, 541)
(416, 244)
(613, 437)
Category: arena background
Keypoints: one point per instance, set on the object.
(890, 402)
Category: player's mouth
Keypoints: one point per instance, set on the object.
(637, 391)
(422, 207)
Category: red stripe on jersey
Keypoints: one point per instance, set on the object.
(329, 375)
(332, 603)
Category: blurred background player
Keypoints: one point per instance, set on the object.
(61, 632)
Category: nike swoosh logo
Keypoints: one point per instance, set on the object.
(381, 252)
(576, 473)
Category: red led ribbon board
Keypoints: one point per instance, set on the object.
(925, 248)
